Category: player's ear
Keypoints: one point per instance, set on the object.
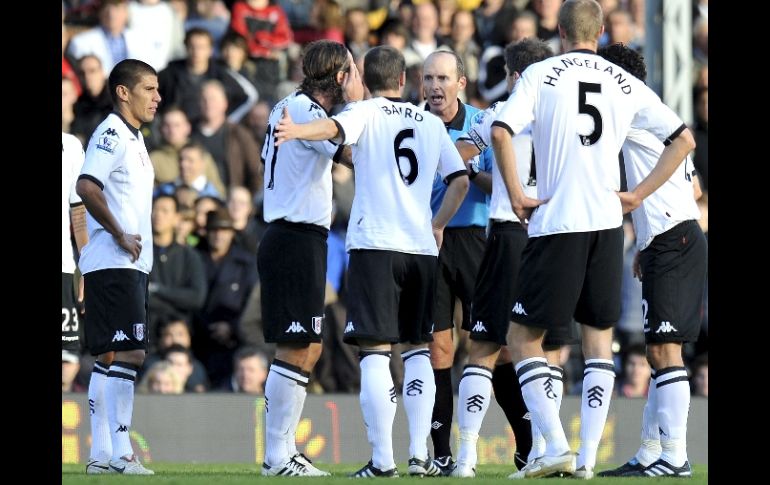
(462, 82)
(402, 79)
(340, 76)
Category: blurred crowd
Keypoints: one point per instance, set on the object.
(222, 66)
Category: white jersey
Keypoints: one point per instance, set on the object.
(72, 156)
(117, 160)
(481, 135)
(672, 203)
(298, 176)
(581, 107)
(397, 150)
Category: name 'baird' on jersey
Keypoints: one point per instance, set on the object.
(298, 177)
(397, 149)
(117, 161)
(672, 203)
(583, 107)
(481, 136)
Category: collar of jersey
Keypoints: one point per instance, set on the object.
(315, 101)
(458, 122)
(582, 51)
(133, 130)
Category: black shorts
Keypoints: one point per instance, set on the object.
(116, 310)
(70, 325)
(556, 337)
(390, 297)
(496, 282)
(458, 264)
(292, 271)
(574, 274)
(673, 278)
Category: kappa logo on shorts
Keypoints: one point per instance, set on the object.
(349, 327)
(139, 331)
(665, 327)
(295, 327)
(519, 309)
(317, 324)
(479, 327)
(119, 336)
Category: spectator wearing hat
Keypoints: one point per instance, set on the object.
(231, 274)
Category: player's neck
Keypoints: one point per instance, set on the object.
(573, 46)
(387, 93)
(325, 101)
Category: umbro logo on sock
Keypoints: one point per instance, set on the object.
(594, 396)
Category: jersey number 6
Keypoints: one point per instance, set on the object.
(407, 153)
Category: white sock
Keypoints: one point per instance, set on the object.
(533, 374)
(673, 408)
(119, 397)
(472, 405)
(598, 380)
(378, 405)
(557, 393)
(300, 393)
(419, 395)
(650, 449)
(280, 400)
(101, 440)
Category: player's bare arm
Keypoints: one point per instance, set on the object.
(454, 196)
(467, 149)
(346, 158)
(322, 129)
(96, 204)
(506, 162)
(80, 231)
(669, 160)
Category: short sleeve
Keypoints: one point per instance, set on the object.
(352, 121)
(480, 131)
(104, 155)
(519, 110)
(657, 118)
(324, 147)
(450, 161)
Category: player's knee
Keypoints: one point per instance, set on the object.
(442, 350)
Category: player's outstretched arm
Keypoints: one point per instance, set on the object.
(669, 160)
(506, 162)
(323, 129)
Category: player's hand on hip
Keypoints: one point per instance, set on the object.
(629, 201)
(132, 244)
(285, 129)
(438, 235)
(524, 207)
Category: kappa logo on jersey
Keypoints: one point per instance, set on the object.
(474, 403)
(349, 327)
(107, 144)
(119, 336)
(519, 309)
(313, 106)
(414, 387)
(317, 324)
(139, 331)
(594, 396)
(110, 132)
(479, 327)
(122, 429)
(295, 327)
(665, 327)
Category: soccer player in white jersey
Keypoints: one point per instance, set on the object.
(292, 254)
(672, 268)
(116, 186)
(73, 214)
(496, 282)
(393, 243)
(581, 107)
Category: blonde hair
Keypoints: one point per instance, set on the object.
(581, 20)
(157, 369)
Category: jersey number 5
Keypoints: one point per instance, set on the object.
(407, 153)
(590, 110)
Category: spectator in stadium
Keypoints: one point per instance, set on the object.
(70, 365)
(69, 97)
(357, 32)
(248, 230)
(250, 372)
(175, 334)
(95, 103)
(212, 16)
(256, 121)
(192, 169)
(700, 376)
(161, 378)
(234, 150)
(636, 373)
(175, 130)
(177, 281)
(160, 29)
(461, 41)
(235, 56)
(181, 360)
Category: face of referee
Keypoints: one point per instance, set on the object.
(440, 84)
(143, 99)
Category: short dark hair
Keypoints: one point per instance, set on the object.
(460, 65)
(627, 58)
(519, 55)
(197, 31)
(170, 197)
(321, 61)
(128, 73)
(383, 66)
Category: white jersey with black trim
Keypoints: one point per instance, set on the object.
(581, 107)
(72, 156)
(117, 161)
(481, 135)
(298, 177)
(397, 150)
(672, 203)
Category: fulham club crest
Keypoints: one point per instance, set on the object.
(139, 331)
(317, 322)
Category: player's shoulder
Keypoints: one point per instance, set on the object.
(70, 143)
(109, 135)
(303, 106)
